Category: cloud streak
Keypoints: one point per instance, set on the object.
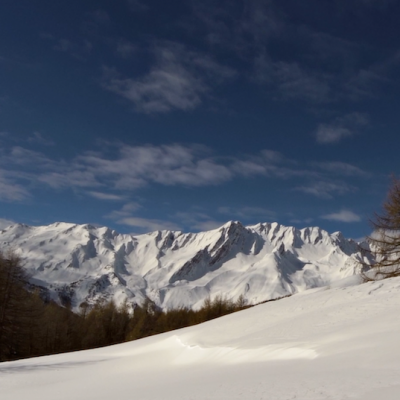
(341, 168)
(341, 127)
(10, 190)
(247, 213)
(325, 189)
(105, 196)
(346, 216)
(121, 170)
(179, 80)
(149, 225)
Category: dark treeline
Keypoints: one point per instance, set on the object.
(30, 327)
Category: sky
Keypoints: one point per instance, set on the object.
(183, 115)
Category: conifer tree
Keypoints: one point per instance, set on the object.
(385, 240)
(14, 308)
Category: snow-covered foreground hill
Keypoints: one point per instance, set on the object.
(327, 343)
(83, 263)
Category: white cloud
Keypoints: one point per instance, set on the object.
(66, 176)
(247, 212)
(250, 167)
(136, 166)
(167, 165)
(121, 169)
(100, 17)
(272, 156)
(341, 168)
(64, 45)
(207, 225)
(330, 134)
(77, 50)
(324, 189)
(130, 168)
(125, 49)
(301, 221)
(149, 224)
(268, 163)
(177, 81)
(197, 220)
(126, 211)
(340, 128)
(343, 216)
(105, 196)
(11, 190)
(22, 156)
(37, 137)
(292, 80)
(296, 82)
(238, 28)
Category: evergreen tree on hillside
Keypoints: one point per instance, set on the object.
(14, 306)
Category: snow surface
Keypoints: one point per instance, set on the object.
(265, 261)
(327, 343)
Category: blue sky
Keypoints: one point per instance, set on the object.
(145, 115)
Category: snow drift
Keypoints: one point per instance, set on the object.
(326, 343)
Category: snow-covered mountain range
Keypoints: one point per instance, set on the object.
(83, 263)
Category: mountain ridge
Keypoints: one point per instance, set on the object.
(74, 263)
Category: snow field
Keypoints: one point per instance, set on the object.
(326, 343)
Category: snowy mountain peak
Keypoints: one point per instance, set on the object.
(77, 263)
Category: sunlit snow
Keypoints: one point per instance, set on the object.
(84, 263)
(328, 343)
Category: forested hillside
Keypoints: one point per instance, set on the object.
(30, 326)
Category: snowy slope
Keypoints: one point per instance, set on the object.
(86, 263)
(328, 343)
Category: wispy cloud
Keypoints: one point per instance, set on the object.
(315, 66)
(37, 137)
(125, 49)
(325, 189)
(130, 168)
(341, 168)
(10, 190)
(67, 177)
(197, 220)
(341, 127)
(247, 213)
(127, 216)
(105, 196)
(292, 80)
(63, 45)
(295, 82)
(167, 165)
(238, 26)
(120, 170)
(179, 80)
(302, 221)
(22, 156)
(149, 225)
(269, 163)
(126, 211)
(343, 216)
(78, 50)
(100, 17)
(369, 81)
